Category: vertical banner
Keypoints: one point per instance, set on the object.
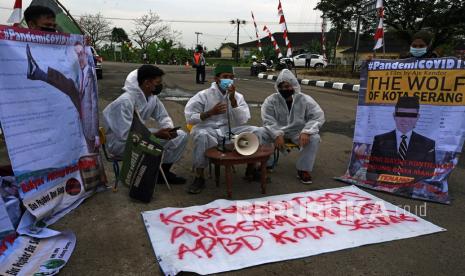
(410, 127)
(49, 116)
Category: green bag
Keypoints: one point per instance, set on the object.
(141, 161)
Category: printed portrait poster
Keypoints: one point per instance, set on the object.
(49, 116)
(409, 128)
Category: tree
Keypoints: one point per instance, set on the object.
(150, 28)
(96, 27)
(444, 18)
(341, 14)
(119, 35)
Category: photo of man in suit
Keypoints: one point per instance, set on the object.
(82, 91)
(402, 145)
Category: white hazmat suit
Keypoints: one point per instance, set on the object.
(210, 132)
(305, 116)
(118, 118)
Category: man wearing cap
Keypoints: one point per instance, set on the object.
(207, 112)
(402, 144)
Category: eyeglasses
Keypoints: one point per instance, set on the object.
(406, 114)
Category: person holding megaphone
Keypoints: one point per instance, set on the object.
(291, 116)
(216, 113)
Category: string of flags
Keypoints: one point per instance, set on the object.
(282, 22)
(273, 41)
(379, 34)
(259, 43)
(15, 17)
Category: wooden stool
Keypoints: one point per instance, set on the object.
(228, 159)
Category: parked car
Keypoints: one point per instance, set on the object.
(98, 63)
(317, 61)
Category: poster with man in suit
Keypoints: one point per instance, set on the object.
(401, 146)
(410, 127)
(82, 91)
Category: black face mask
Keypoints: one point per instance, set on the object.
(47, 29)
(286, 93)
(157, 89)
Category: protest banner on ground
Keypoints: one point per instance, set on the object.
(31, 256)
(49, 116)
(410, 127)
(227, 235)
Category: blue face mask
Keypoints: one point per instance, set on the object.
(418, 52)
(225, 83)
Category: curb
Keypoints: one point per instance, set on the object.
(325, 84)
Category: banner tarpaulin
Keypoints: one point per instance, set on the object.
(410, 127)
(49, 116)
(32, 256)
(227, 235)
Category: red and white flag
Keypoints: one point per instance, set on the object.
(15, 17)
(282, 21)
(259, 43)
(275, 44)
(379, 34)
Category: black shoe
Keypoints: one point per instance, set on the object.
(172, 179)
(31, 64)
(252, 174)
(197, 186)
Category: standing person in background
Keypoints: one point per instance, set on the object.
(145, 58)
(198, 63)
(308, 61)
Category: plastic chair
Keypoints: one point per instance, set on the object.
(288, 147)
(109, 157)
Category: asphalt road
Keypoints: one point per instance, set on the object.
(111, 238)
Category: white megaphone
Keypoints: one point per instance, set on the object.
(246, 143)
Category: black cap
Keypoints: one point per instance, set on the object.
(408, 102)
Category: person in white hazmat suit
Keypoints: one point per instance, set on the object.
(289, 115)
(207, 112)
(140, 93)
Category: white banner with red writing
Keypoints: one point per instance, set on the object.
(31, 256)
(228, 235)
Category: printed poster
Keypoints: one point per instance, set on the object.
(410, 124)
(49, 116)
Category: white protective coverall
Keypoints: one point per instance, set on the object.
(305, 116)
(210, 132)
(118, 118)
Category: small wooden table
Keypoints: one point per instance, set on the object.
(228, 159)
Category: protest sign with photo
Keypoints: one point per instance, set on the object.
(49, 117)
(227, 235)
(410, 127)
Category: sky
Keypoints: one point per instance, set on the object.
(300, 16)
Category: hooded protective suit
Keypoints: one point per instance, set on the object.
(118, 118)
(210, 132)
(305, 116)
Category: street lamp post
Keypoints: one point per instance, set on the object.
(197, 33)
(367, 7)
(238, 22)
